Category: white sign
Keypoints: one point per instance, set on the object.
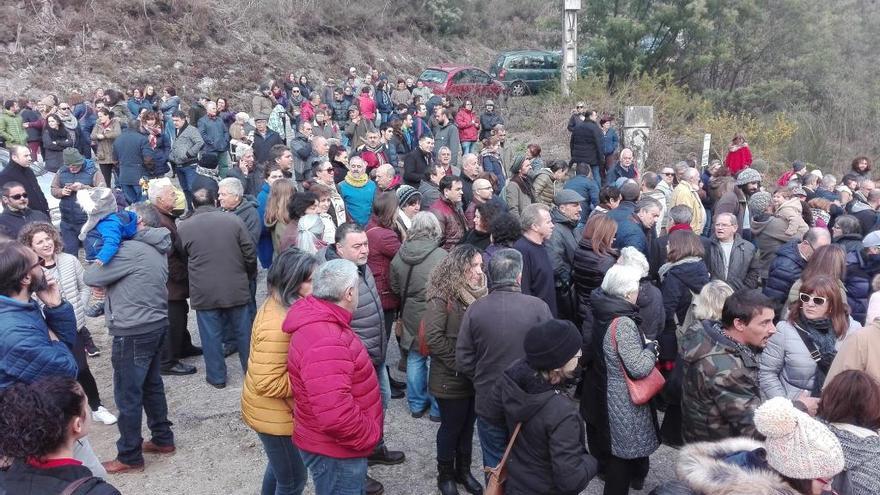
(707, 140)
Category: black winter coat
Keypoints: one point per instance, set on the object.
(586, 143)
(588, 270)
(849, 242)
(679, 282)
(549, 455)
(25, 176)
(23, 479)
(859, 273)
(784, 271)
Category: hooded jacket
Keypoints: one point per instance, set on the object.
(12, 129)
(549, 455)
(26, 352)
(338, 409)
(420, 256)
(137, 296)
(792, 212)
(561, 247)
(784, 271)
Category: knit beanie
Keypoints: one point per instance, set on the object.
(759, 202)
(97, 202)
(747, 176)
(405, 193)
(797, 445)
(518, 161)
(551, 344)
(72, 157)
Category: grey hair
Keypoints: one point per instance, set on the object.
(147, 214)
(333, 278)
(681, 214)
(531, 214)
(647, 203)
(444, 148)
(505, 266)
(630, 256)
(232, 186)
(710, 301)
(691, 174)
(729, 216)
(386, 169)
(157, 187)
(828, 181)
(468, 157)
(621, 280)
(424, 226)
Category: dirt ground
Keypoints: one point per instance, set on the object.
(218, 454)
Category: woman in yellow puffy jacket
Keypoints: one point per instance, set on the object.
(266, 398)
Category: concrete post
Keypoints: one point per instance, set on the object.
(568, 72)
(637, 124)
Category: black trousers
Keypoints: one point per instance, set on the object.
(455, 436)
(84, 376)
(178, 339)
(619, 473)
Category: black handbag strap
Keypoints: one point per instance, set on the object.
(811, 346)
(75, 485)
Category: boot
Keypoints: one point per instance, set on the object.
(373, 487)
(464, 477)
(446, 478)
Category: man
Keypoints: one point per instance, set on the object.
(470, 170)
(372, 151)
(301, 147)
(357, 128)
(826, 188)
(337, 427)
(339, 108)
(720, 391)
(629, 231)
(358, 191)
(730, 258)
(264, 139)
(483, 193)
(861, 268)
(77, 173)
(324, 127)
(262, 102)
(446, 135)
(586, 187)
(562, 244)
(221, 254)
(491, 338)
(178, 343)
(790, 261)
(538, 271)
(184, 155)
(367, 320)
(216, 136)
(137, 319)
(430, 186)
(418, 161)
(624, 168)
(320, 151)
(735, 202)
(420, 127)
(864, 208)
(232, 199)
(281, 156)
(19, 170)
(489, 119)
(650, 181)
(444, 159)
(687, 193)
(448, 211)
(16, 213)
(11, 126)
(132, 151)
(586, 142)
(386, 178)
(198, 110)
(667, 183)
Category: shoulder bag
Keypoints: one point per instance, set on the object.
(643, 389)
(498, 474)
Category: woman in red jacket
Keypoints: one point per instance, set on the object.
(468, 124)
(367, 105)
(384, 242)
(738, 155)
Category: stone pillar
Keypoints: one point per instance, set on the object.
(568, 70)
(637, 124)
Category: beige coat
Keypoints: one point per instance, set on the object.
(104, 153)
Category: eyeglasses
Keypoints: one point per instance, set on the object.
(579, 106)
(723, 225)
(18, 196)
(295, 91)
(818, 301)
(669, 174)
(64, 108)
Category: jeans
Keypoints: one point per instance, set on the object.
(467, 147)
(137, 386)
(132, 193)
(336, 476)
(70, 237)
(621, 472)
(285, 473)
(455, 436)
(213, 323)
(417, 367)
(384, 385)
(186, 175)
(493, 441)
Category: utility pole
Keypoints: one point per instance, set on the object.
(569, 68)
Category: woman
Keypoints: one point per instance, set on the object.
(518, 193)
(415, 259)
(137, 104)
(738, 154)
(302, 204)
(400, 95)
(592, 259)
(266, 397)
(683, 275)
(861, 166)
(367, 105)
(491, 161)
(40, 425)
(820, 208)
(276, 218)
(609, 199)
(325, 208)
(610, 140)
(468, 124)
(548, 181)
(454, 284)
(66, 269)
(817, 324)
(829, 261)
(339, 159)
(409, 203)
(159, 147)
(115, 101)
(271, 175)
(847, 233)
(86, 118)
(226, 114)
(169, 104)
(247, 172)
(310, 234)
(384, 243)
(621, 434)
(533, 153)
(103, 135)
(549, 451)
(151, 96)
(55, 139)
(504, 230)
(384, 105)
(851, 407)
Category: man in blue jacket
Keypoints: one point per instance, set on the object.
(216, 136)
(132, 151)
(790, 261)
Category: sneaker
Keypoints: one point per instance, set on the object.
(95, 310)
(92, 350)
(102, 415)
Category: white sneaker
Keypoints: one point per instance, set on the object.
(102, 415)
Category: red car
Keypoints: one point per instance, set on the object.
(461, 81)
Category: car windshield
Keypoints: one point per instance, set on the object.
(433, 76)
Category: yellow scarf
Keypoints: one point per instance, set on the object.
(357, 182)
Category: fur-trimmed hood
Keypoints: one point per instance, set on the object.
(703, 467)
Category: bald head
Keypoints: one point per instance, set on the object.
(483, 189)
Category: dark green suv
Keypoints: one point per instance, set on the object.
(529, 71)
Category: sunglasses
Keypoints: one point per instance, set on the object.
(669, 174)
(295, 91)
(64, 108)
(18, 196)
(818, 301)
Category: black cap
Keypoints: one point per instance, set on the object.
(551, 344)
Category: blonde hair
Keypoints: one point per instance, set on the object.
(280, 195)
(710, 301)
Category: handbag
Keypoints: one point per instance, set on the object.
(498, 474)
(643, 389)
(398, 322)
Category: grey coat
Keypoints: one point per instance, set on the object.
(743, 270)
(430, 194)
(632, 427)
(247, 212)
(186, 146)
(785, 366)
(422, 256)
(137, 298)
(861, 454)
(561, 247)
(447, 136)
(516, 199)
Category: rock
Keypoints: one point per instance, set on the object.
(178, 65)
(206, 84)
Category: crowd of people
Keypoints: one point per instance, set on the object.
(558, 307)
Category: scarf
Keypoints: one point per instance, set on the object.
(822, 334)
(680, 226)
(152, 132)
(361, 182)
(405, 220)
(668, 266)
(468, 294)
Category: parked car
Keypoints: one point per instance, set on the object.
(44, 178)
(529, 71)
(461, 81)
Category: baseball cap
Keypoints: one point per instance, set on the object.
(871, 240)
